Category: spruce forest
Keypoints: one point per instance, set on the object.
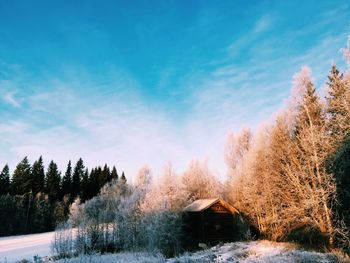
(33, 200)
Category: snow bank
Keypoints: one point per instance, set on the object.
(16, 248)
(117, 258)
(254, 252)
(246, 252)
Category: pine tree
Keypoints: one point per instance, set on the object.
(335, 99)
(94, 181)
(85, 192)
(41, 218)
(5, 180)
(104, 176)
(53, 180)
(123, 178)
(338, 100)
(114, 174)
(341, 169)
(67, 180)
(21, 180)
(77, 176)
(38, 175)
(310, 111)
(306, 169)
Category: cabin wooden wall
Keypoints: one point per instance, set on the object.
(210, 227)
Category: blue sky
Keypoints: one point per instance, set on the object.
(133, 83)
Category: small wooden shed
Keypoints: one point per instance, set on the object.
(210, 221)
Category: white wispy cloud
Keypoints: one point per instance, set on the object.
(263, 24)
(10, 98)
(120, 130)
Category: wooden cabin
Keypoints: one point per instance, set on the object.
(211, 221)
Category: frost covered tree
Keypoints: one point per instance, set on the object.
(130, 217)
(337, 103)
(199, 182)
(161, 223)
(236, 147)
(306, 171)
(143, 179)
(346, 52)
(338, 110)
(165, 194)
(284, 184)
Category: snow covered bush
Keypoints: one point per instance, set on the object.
(63, 244)
(162, 231)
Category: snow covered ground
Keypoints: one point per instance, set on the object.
(246, 252)
(25, 247)
(255, 252)
(16, 248)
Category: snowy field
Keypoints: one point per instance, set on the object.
(255, 252)
(27, 246)
(16, 248)
(246, 252)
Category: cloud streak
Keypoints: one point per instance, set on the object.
(9, 97)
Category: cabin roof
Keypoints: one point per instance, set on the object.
(202, 204)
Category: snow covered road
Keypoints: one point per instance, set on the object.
(15, 248)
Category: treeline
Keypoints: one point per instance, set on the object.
(145, 215)
(33, 200)
(292, 177)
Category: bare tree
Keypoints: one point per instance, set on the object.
(199, 182)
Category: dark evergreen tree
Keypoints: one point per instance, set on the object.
(5, 180)
(104, 176)
(58, 215)
(21, 179)
(77, 176)
(94, 181)
(38, 175)
(9, 215)
(123, 178)
(53, 180)
(114, 174)
(41, 218)
(67, 180)
(98, 172)
(85, 191)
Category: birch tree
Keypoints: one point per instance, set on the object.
(199, 182)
